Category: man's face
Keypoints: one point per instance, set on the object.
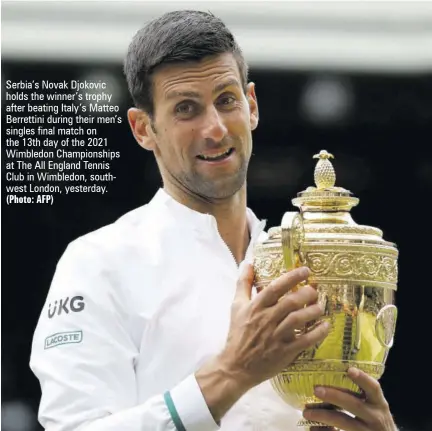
(203, 123)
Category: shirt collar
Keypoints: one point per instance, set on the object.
(200, 221)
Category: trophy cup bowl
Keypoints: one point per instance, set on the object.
(355, 273)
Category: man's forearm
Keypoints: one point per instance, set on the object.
(220, 386)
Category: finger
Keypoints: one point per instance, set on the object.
(336, 419)
(311, 338)
(370, 386)
(346, 401)
(280, 286)
(295, 301)
(244, 283)
(298, 319)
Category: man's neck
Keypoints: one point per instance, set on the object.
(233, 228)
(230, 215)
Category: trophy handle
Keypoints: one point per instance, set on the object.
(292, 232)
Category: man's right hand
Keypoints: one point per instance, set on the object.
(262, 337)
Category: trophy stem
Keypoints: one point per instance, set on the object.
(307, 424)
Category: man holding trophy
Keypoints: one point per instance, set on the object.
(171, 334)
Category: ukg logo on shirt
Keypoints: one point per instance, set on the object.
(75, 305)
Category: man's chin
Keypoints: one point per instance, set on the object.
(223, 189)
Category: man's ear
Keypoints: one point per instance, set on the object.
(141, 126)
(253, 105)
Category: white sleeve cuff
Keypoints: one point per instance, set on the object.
(190, 407)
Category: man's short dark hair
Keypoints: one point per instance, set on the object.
(175, 37)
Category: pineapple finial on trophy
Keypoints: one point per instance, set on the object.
(324, 174)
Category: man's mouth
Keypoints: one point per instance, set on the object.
(217, 156)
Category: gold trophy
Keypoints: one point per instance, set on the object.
(355, 272)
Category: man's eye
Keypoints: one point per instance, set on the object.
(227, 100)
(185, 108)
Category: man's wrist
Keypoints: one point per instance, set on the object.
(221, 386)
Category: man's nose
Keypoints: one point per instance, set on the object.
(214, 127)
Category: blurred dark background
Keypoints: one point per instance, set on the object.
(378, 125)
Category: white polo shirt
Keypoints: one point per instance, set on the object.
(133, 310)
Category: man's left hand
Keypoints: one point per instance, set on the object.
(371, 412)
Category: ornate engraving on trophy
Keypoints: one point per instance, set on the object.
(359, 265)
(270, 267)
(298, 233)
(336, 365)
(386, 325)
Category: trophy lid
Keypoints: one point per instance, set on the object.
(325, 196)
